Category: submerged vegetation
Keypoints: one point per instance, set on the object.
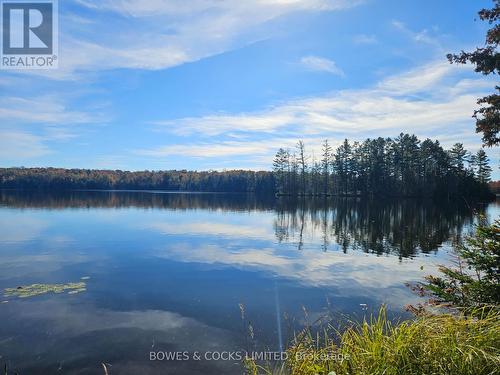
(26, 291)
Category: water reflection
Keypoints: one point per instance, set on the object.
(404, 227)
(170, 272)
(137, 199)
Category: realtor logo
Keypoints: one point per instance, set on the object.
(29, 34)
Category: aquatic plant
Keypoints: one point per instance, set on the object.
(26, 291)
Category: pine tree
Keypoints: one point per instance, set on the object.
(458, 157)
(487, 61)
(483, 171)
(385, 167)
(279, 167)
(325, 164)
(476, 279)
(342, 166)
(302, 159)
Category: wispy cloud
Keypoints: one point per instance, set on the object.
(423, 36)
(147, 8)
(365, 39)
(18, 145)
(321, 64)
(411, 100)
(423, 79)
(163, 34)
(29, 125)
(50, 109)
(217, 149)
(263, 121)
(431, 101)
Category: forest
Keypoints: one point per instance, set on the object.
(399, 167)
(237, 181)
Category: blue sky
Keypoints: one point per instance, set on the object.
(214, 84)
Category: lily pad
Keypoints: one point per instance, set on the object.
(26, 291)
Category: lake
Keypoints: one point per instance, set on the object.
(205, 273)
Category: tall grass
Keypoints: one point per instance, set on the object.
(429, 344)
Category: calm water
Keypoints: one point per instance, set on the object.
(173, 272)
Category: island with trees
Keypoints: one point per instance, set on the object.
(399, 167)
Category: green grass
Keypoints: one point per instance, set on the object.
(431, 344)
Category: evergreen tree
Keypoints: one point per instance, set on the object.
(487, 61)
(342, 166)
(400, 167)
(483, 169)
(475, 280)
(325, 164)
(280, 169)
(458, 157)
(302, 160)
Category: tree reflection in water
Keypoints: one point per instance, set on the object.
(402, 227)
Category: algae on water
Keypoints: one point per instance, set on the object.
(38, 289)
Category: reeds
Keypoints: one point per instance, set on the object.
(429, 344)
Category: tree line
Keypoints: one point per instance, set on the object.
(403, 167)
(55, 179)
(400, 167)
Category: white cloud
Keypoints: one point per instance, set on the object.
(43, 110)
(422, 36)
(147, 8)
(365, 39)
(428, 101)
(20, 145)
(166, 33)
(30, 123)
(217, 124)
(423, 78)
(209, 150)
(322, 65)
